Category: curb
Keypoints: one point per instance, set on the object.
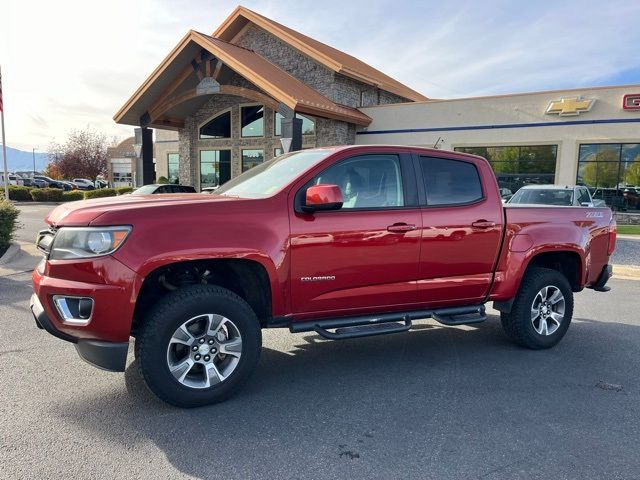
(11, 252)
(38, 203)
(626, 272)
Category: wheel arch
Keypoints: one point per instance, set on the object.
(248, 278)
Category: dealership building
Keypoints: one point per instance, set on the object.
(224, 102)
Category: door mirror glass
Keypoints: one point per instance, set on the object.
(323, 197)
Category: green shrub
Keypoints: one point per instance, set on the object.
(163, 180)
(17, 193)
(99, 193)
(72, 196)
(123, 190)
(46, 194)
(8, 223)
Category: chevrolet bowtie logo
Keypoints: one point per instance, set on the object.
(567, 107)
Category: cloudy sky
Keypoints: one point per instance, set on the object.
(71, 64)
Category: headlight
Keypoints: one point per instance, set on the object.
(87, 242)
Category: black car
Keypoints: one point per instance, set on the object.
(163, 188)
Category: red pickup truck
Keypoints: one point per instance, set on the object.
(346, 242)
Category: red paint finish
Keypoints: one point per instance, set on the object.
(326, 263)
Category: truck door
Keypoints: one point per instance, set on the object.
(364, 256)
(462, 221)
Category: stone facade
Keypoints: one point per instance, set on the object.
(336, 87)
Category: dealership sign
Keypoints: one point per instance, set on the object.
(631, 101)
(570, 107)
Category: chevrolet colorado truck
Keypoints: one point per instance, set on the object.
(345, 242)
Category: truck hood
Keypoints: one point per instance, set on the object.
(83, 212)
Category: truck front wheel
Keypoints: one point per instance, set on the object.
(198, 345)
(542, 310)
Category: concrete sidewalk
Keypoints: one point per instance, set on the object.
(20, 257)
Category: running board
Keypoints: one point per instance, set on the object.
(370, 325)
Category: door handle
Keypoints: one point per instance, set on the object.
(401, 227)
(483, 224)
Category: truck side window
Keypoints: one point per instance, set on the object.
(584, 196)
(367, 181)
(450, 182)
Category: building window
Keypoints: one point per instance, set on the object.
(173, 167)
(517, 166)
(308, 125)
(612, 173)
(215, 167)
(252, 121)
(277, 152)
(219, 127)
(251, 158)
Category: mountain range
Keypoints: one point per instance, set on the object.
(21, 161)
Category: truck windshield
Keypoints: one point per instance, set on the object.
(543, 196)
(269, 177)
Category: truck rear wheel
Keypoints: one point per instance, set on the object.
(198, 345)
(542, 310)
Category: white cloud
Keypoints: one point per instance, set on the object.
(70, 63)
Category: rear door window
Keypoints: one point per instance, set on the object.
(450, 182)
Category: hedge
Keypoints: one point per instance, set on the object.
(99, 193)
(8, 223)
(46, 194)
(72, 196)
(123, 190)
(163, 180)
(18, 193)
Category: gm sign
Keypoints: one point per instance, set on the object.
(631, 101)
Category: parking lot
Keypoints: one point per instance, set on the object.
(436, 402)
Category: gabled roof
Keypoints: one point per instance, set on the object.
(272, 80)
(330, 57)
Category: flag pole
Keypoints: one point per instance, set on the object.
(4, 144)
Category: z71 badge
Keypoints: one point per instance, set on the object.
(594, 215)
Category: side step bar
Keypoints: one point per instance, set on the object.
(370, 325)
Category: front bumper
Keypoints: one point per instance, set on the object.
(110, 356)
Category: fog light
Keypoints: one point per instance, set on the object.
(74, 310)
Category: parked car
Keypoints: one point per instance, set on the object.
(13, 179)
(51, 183)
(632, 196)
(208, 189)
(38, 183)
(562, 195)
(613, 197)
(83, 184)
(101, 183)
(340, 241)
(163, 188)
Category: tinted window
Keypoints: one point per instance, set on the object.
(368, 181)
(252, 123)
(219, 127)
(450, 182)
(583, 196)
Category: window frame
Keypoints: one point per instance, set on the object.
(407, 177)
(213, 117)
(422, 190)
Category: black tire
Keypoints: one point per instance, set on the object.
(172, 311)
(518, 324)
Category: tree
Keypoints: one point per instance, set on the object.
(632, 173)
(83, 155)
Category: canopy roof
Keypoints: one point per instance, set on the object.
(332, 58)
(169, 95)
